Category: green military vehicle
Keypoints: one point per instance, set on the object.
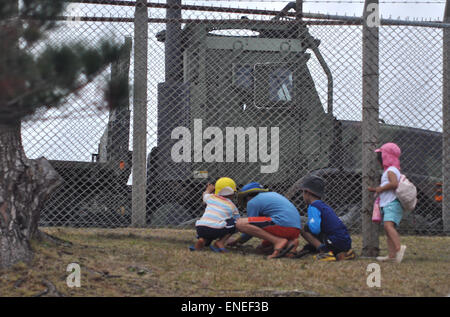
(238, 85)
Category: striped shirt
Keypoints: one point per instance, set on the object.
(218, 209)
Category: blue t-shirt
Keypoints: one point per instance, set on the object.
(323, 219)
(275, 206)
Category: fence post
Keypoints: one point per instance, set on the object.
(139, 184)
(446, 123)
(370, 115)
(172, 44)
(299, 9)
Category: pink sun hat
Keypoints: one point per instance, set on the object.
(390, 154)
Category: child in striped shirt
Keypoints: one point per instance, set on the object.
(219, 219)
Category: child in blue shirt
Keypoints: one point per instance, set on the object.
(325, 233)
(270, 217)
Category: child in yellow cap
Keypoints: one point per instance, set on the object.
(219, 219)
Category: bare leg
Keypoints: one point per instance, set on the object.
(390, 246)
(222, 241)
(245, 227)
(393, 238)
(200, 244)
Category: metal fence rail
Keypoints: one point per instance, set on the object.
(248, 94)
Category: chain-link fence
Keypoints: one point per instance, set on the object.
(255, 95)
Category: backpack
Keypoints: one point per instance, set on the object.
(406, 193)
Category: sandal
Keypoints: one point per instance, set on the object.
(217, 249)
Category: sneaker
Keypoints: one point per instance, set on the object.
(400, 254)
(348, 255)
(325, 257)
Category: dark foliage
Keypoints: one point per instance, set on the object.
(29, 81)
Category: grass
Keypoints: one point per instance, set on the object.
(157, 262)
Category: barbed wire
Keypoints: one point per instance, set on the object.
(384, 2)
(285, 1)
(334, 1)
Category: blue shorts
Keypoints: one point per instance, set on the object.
(392, 212)
(332, 243)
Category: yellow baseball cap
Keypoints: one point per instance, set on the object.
(225, 186)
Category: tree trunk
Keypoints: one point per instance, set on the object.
(25, 186)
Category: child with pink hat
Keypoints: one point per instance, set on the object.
(389, 157)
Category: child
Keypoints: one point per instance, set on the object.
(219, 219)
(324, 231)
(270, 217)
(388, 156)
